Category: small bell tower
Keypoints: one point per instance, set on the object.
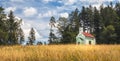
(80, 29)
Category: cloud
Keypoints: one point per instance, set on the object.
(68, 2)
(83, 2)
(47, 14)
(17, 0)
(29, 11)
(26, 29)
(10, 8)
(64, 15)
(41, 27)
(46, 1)
(27, 25)
(96, 1)
(98, 6)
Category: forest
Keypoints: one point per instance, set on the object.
(103, 23)
(11, 32)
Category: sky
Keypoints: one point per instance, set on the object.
(37, 13)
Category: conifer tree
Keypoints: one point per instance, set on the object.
(63, 30)
(74, 25)
(51, 34)
(109, 21)
(83, 18)
(117, 23)
(31, 36)
(97, 24)
(21, 36)
(3, 31)
(13, 28)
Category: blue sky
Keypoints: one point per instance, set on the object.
(36, 13)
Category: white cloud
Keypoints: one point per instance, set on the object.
(16, 0)
(64, 15)
(46, 1)
(26, 29)
(98, 6)
(96, 1)
(29, 11)
(69, 2)
(18, 18)
(10, 8)
(47, 14)
(26, 26)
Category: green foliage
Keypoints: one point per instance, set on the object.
(9, 28)
(13, 28)
(52, 37)
(97, 24)
(63, 29)
(69, 28)
(21, 36)
(117, 23)
(52, 22)
(3, 27)
(3, 37)
(109, 34)
(103, 23)
(31, 36)
(83, 18)
(109, 21)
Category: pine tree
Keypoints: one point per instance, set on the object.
(97, 25)
(52, 25)
(109, 20)
(13, 27)
(117, 23)
(21, 36)
(108, 35)
(103, 23)
(63, 30)
(73, 26)
(83, 18)
(3, 31)
(117, 9)
(74, 18)
(86, 19)
(90, 22)
(31, 36)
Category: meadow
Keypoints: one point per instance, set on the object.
(60, 53)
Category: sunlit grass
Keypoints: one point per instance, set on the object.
(60, 53)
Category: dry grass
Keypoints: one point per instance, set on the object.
(60, 53)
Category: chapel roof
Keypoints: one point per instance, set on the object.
(87, 34)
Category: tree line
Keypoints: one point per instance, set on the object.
(103, 23)
(11, 32)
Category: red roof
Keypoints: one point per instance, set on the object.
(88, 34)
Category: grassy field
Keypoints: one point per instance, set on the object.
(60, 53)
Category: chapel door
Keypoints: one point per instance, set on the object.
(89, 42)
